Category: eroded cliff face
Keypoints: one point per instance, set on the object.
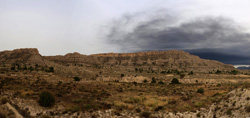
(27, 55)
(173, 59)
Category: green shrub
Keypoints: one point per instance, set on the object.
(200, 90)
(77, 79)
(191, 73)
(2, 115)
(229, 112)
(218, 72)
(46, 99)
(196, 81)
(51, 69)
(31, 68)
(247, 109)
(145, 81)
(198, 115)
(25, 68)
(234, 72)
(145, 114)
(13, 68)
(4, 100)
(175, 81)
(182, 76)
(138, 110)
(153, 80)
(160, 82)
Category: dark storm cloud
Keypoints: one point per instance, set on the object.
(205, 37)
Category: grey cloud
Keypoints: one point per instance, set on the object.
(215, 34)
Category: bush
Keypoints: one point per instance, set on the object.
(159, 108)
(51, 69)
(191, 73)
(46, 99)
(160, 82)
(200, 90)
(145, 114)
(218, 72)
(31, 68)
(122, 75)
(198, 115)
(229, 112)
(247, 109)
(182, 75)
(175, 81)
(234, 72)
(13, 68)
(77, 79)
(138, 110)
(4, 100)
(153, 80)
(145, 81)
(2, 115)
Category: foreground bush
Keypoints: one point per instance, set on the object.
(46, 99)
(4, 100)
(77, 79)
(200, 90)
(2, 115)
(145, 114)
(175, 81)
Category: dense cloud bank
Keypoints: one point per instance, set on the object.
(216, 38)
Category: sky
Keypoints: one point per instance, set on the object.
(211, 29)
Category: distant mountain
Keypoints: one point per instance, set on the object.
(222, 57)
(244, 68)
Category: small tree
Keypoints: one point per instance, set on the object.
(25, 67)
(77, 79)
(218, 72)
(145, 81)
(160, 82)
(2, 115)
(145, 114)
(200, 90)
(13, 68)
(51, 69)
(175, 81)
(191, 73)
(46, 99)
(153, 80)
(182, 75)
(31, 68)
(122, 75)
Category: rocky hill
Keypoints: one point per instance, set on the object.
(28, 55)
(173, 59)
(78, 64)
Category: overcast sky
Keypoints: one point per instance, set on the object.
(210, 28)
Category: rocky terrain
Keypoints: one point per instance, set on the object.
(162, 84)
(173, 59)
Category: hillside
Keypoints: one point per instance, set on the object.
(112, 64)
(173, 59)
(158, 84)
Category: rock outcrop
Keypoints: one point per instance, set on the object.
(27, 55)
